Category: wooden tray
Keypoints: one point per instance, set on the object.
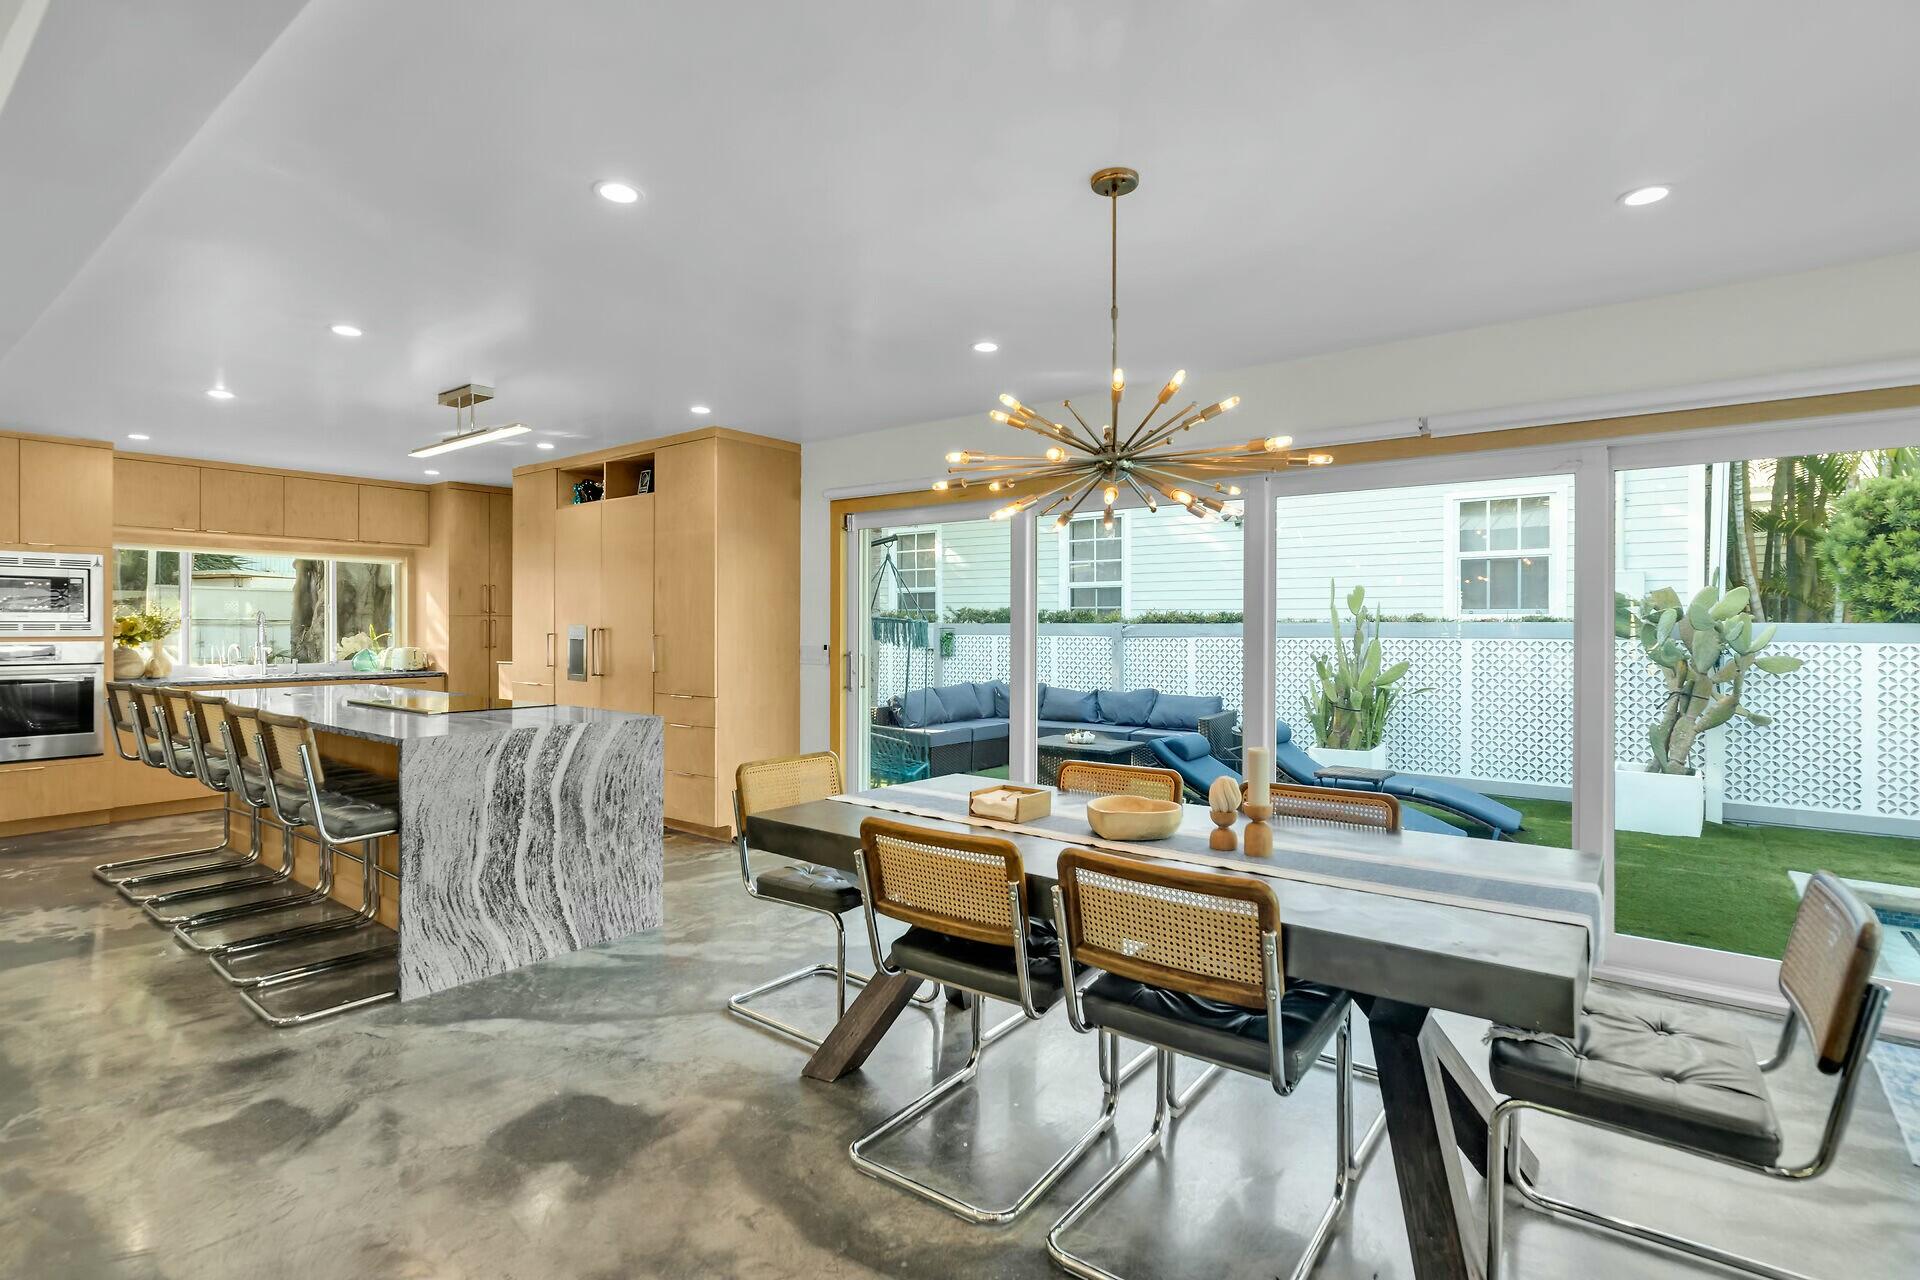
(1010, 803)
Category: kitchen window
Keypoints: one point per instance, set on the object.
(1096, 565)
(310, 603)
(1504, 554)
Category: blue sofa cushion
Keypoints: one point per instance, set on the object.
(1148, 735)
(1049, 728)
(1181, 711)
(1198, 772)
(993, 698)
(1129, 708)
(1282, 731)
(959, 702)
(982, 729)
(918, 708)
(1068, 705)
(948, 735)
(1451, 795)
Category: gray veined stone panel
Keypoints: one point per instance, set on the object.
(525, 844)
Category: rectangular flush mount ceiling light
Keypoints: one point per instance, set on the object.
(470, 438)
(466, 397)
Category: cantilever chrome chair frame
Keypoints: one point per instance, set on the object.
(1112, 1075)
(130, 876)
(1170, 1105)
(1503, 1138)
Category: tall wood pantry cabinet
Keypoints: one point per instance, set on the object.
(463, 587)
(676, 593)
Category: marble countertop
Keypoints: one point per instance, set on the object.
(304, 677)
(328, 709)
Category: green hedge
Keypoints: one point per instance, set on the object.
(1870, 549)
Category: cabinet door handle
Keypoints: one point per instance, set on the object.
(37, 768)
(656, 653)
(549, 648)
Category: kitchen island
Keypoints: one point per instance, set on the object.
(525, 832)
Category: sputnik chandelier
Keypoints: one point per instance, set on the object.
(1148, 460)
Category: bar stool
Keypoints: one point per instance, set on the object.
(1096, 777)
(1673, 1077)
(162, 744)
(1192, 967)
(202, 716)
(965, 898)
(343, 807)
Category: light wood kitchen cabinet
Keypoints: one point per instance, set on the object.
(500, 554)
(453, 591)
(9, 490)
(393, 515)
(707, 561)
(684, 563)
(535, 646)
(65, 495)
(626, 641)
(242, 502)
(576, 604)
(328, 510)
(156, 495)
(51, 788)
(467, 663)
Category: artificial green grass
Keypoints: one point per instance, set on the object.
(1728, 889)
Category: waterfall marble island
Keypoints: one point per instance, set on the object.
(525, 832)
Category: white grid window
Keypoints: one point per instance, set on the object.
(917, 555)
(1506, 562)
(1095, 566)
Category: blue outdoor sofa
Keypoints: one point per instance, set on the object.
(1190, 756)
(962, 728)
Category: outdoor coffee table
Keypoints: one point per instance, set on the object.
(1352, 775)
(1056, 748)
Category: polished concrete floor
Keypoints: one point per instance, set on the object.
(599, 1116)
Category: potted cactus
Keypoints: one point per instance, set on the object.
(1355, 692)
(1704, 651)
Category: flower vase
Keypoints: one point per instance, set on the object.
(128, 662)
(160, 665)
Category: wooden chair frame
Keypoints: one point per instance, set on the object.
(1099, 777)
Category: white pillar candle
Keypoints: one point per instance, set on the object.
(1259, 774)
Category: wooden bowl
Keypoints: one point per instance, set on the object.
(1133, 817)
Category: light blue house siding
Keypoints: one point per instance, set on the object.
(1401, 544)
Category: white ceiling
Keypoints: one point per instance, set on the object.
(842, 196)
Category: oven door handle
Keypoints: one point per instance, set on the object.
(14, 678)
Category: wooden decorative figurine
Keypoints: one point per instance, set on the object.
(1223, 802)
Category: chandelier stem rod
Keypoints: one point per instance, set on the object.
(1167, 429)
(1092, 435)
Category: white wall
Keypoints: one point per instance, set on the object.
(1782, 331)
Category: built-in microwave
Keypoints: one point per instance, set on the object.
(45, 594)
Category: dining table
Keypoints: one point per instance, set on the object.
(1409, 922)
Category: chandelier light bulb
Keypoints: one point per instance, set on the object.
(1060, 521)
(1119, 380)
(956, 458)
(999, 415)
(993, 486)
(1182, 497)
(939, 486)
(1319, 459)
(1274, 444)
(1056, 454)
(1233, 490)
(1008, 400)
(1106, 522)
(1108, 494)
(1229, 403)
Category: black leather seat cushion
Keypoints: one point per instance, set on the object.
(821, 888)
(1670, 1071)
(982, 966)
(1234, 1037)
(353, 802)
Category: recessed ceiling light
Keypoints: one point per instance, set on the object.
(220, 393)
(986, 348)
(135, 435)
(431, 473)
(544, 444)
(698, 408)
(618, 192)
(1645, 195)
(346, 331)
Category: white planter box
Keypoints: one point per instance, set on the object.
(1376, 758)
(1661, 804)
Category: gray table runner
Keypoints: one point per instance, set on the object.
(1480, 875)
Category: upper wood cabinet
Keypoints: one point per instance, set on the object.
(685, 551)
(242, 502)
(65, 495)
(393, 515)
(9, 490)
(324, 509)
(156, 495)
